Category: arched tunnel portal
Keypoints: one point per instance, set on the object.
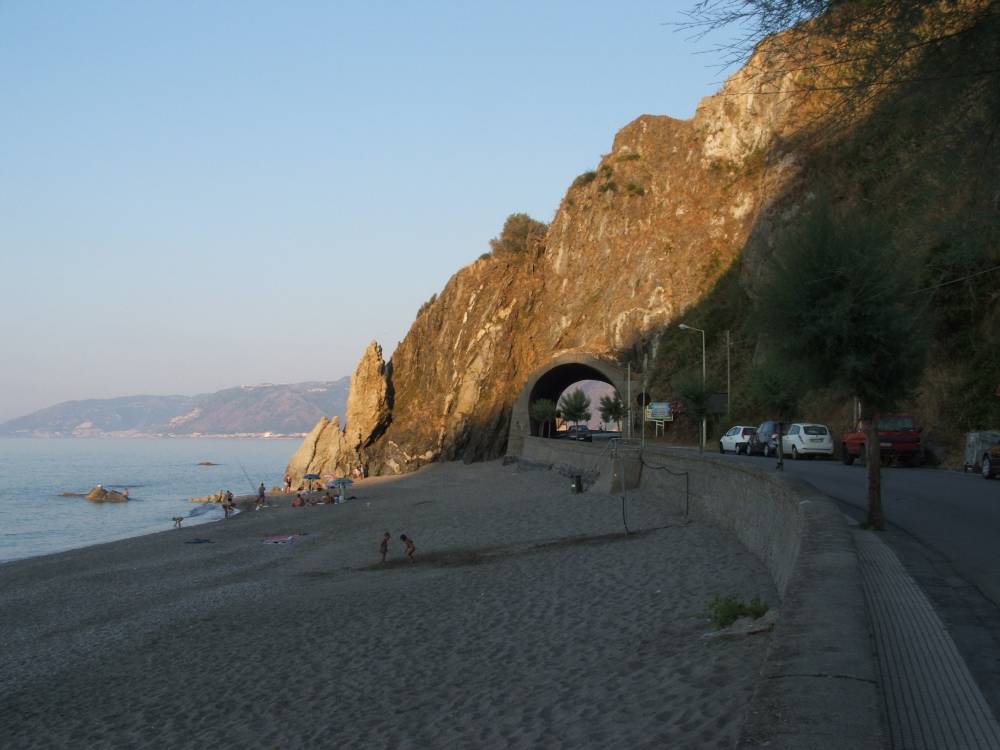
(551, 379)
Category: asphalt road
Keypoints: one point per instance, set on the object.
(955, 514)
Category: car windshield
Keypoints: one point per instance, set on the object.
(749, 431)
(814, 429)
(895, 424)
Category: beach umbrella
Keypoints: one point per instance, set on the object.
(310, 476)
(342, 483)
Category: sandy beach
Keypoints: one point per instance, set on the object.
(528, 620)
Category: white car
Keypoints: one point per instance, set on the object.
(736, 439)
(806, 439)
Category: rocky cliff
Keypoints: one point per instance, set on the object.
(673, 208)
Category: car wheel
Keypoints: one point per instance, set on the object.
(795, 453)
(987, 467)
(767, 450)
(741, 448)
(721, 448)
(845, 455)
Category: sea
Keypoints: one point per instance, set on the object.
(161, 475)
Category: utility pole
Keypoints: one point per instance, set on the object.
(728, 379)
(628, 395)
(704, 417)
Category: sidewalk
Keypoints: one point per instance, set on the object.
(932, 702)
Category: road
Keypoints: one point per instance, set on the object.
(956, 514)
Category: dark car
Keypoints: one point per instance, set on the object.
(578, 432)
(764, 442)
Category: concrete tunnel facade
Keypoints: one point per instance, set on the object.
(552, 378)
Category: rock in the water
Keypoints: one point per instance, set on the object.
(101, 495)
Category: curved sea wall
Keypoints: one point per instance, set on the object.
(820, 685)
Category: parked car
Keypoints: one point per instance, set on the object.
(578, 432)
(898, 437)
(990, 464)
(736, 439)
(982, 453)
(764, 441)
(807, 439)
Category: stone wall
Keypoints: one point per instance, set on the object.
(820, 685)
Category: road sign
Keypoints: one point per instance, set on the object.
(659, 411)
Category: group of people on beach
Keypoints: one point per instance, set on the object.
(408, 546)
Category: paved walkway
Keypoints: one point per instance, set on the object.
(932, 701)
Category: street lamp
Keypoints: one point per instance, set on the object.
(704, 427)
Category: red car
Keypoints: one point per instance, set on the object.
(898, 437)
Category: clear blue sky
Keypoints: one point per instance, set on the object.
(200, 195)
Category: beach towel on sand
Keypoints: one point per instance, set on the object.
(281, 538)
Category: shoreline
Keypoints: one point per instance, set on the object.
(528, 617)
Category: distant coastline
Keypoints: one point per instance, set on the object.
(128, 434)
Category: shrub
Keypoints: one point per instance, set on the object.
(583, 180)
(634, 188)
(427, 304)
(605, 171)
(484, 256)
(606, 186)
(629, 157)
(519, 233)
(725, 610)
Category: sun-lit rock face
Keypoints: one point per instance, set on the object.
(331, 451)
(632, 245)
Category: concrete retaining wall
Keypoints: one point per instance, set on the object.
(592, 461)
(820, 686)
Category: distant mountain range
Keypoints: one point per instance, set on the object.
(257, 410)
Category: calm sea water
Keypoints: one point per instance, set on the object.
(161, 475)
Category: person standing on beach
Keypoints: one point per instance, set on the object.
(411, 548)
(288, 485)
(383, 546)
(261, 494)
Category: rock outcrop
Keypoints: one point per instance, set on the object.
(101, 495)
(329, 450)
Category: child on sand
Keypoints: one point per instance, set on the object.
(383, 546)
(411, 548)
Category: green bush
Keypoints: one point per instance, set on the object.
(629, 157)
(725, 610)
(605, 171)
(583, 180)
(634, 188)
(520, 232)
(606, 186)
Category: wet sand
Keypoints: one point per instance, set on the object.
(528, 620)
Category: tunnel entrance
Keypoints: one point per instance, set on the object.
(551, 381)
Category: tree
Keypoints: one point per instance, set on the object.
(519, 234)
(575, 406)
(694, 394)
(840, 303)
(612, 409)
(543, 411)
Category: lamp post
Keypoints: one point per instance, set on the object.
(704, 427)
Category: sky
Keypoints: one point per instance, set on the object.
(195, 196)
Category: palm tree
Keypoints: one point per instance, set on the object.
(543, 411)
(575, 406)
(612, 409)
